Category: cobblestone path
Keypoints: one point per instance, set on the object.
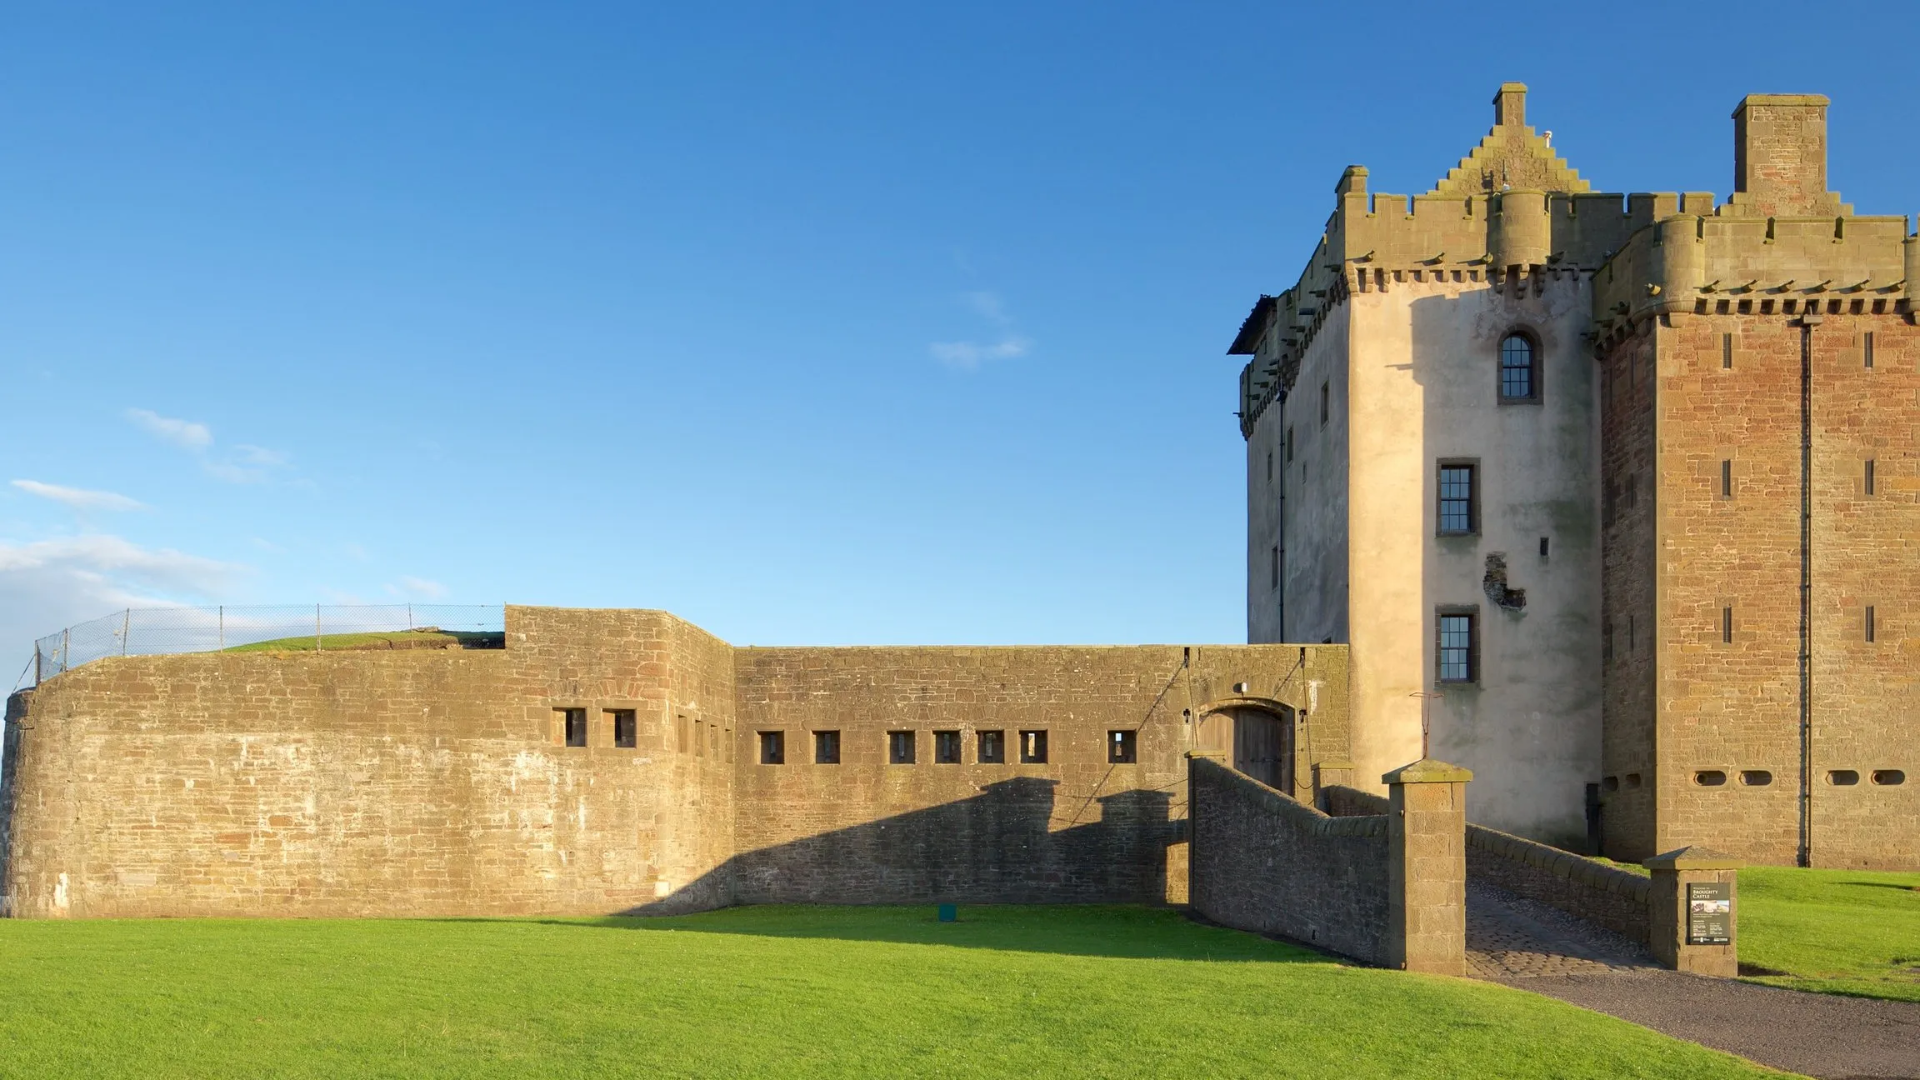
(1533, 947)
(1510, 938)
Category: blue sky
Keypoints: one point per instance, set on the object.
(811, 323)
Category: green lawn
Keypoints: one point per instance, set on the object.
(389, 639)
(777, 992)
(1835, 931)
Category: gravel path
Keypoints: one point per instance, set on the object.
(1533, 947)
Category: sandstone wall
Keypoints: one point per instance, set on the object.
(443, 782)
(1629, 616)
(370, 783)
(1267, 863)
(1729, 739)
(1601, 894)
(1076, 828)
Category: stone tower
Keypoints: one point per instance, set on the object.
(1483, 434)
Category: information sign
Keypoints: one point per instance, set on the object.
(1710, 913)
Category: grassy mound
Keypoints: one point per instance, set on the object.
(1834, 931)
(770, 992)
(424, 638)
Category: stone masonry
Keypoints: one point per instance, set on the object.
(434, 783)
(1721, 405)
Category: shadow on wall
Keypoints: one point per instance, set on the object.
(1003, 846)
(1101, 930)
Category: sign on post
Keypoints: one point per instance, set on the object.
(1709, 913)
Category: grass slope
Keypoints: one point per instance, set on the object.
(1834, 931)
(388, 639)
(769, 992)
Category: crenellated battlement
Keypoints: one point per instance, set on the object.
(1512, 209)
(1697, 264)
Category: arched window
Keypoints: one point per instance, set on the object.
(1519, 369)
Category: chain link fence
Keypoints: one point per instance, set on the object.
(155, 631)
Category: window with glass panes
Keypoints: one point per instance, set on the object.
(1456, 657)
(1456, 499)
(1516, 369)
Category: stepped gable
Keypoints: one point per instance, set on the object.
(1511, 156)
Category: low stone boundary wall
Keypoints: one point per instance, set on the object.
(1581, 887)
(1340, 801)
(1263, 862)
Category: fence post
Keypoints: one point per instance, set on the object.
(223, 628)
(316, 628)
(409, 614)
(66, 649)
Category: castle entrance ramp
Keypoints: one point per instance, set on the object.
(1530, 945)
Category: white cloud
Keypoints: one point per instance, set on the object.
(989, 305)
(245, 465)
(79, 498)
(233, 474)
(260, 455)
(413, 586)
(49, 584)
(185, 433)
(968, 355)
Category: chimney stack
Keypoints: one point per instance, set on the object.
(1510, 105)
(1780, 157)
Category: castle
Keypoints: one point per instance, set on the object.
(1624, 490)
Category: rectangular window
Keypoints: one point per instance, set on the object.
(1459, 512)
(1633, 489)
(826, 748)
(699, 738)
(1325, 400)
(576, 725)
(1726, 479)
(1866, 348)
(682, 733)
(900, 747)
(946, 748)
(1273, 558)
(1033, 747)
(1869, 476)
(626, 728)
(1289, 442)
(1726, 626)
(1726, 352)
(1457, 658)
(1869, 622)
(1121, 747)
(773, 748)
(1606, 641)
(992, 748)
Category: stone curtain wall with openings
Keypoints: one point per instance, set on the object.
(429, 783)
(1075, 828)
(375, 783)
